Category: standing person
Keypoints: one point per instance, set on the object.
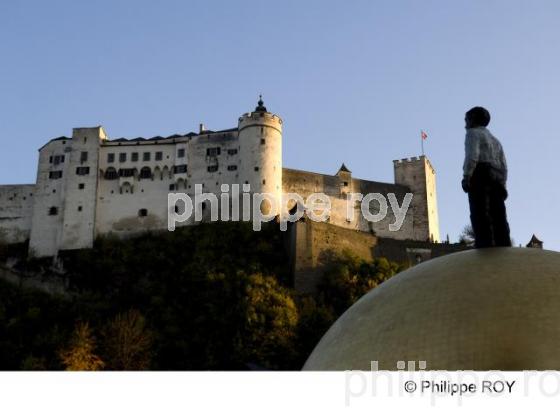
(484, 179)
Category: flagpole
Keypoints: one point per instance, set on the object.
(422, 141)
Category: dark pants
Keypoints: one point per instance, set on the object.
(488, 210)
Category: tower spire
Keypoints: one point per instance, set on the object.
(260, 105)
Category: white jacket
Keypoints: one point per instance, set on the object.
(482, 147)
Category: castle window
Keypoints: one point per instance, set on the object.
(232, 151)
(263, 141)
(172, 187)
(256, 168)
(126, 172)
(345, 183)
(212, 168)
(213, 152)
(181, 153)
(82, 171)
(145, 173)
(146, 156)
(134, 157)
(53, 210)
(111, 157)
(232, 167)
(179, 169)
(58, 159)
(80, 208)
(55, 174)
(51, 159)
(111, 173)
(122, 157)
(143, 212)
(264, 182)
(83, 156)
(81, 186)
(159, 156)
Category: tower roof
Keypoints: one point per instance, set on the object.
(535, 242)
(343, 168)
(260, 105)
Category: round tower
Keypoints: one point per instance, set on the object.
(260, 149)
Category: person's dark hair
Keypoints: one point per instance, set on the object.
(478, 116)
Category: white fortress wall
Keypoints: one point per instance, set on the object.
(48, 200)
(89, 185)
(16, 207)
(78, 230)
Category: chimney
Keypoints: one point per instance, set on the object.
(201, 129)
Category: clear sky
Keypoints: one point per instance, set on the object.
(354, 81)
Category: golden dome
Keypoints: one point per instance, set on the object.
(489, 309)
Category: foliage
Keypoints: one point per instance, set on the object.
(214, 296)
(350, 278)
(467, 235)
(127, 342)
(80, 354)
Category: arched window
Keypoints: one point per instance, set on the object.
(111, 173)
(165, 172)
(145, 173)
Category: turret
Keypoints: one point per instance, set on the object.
(418, 174)
(66, 193)
(260, 146)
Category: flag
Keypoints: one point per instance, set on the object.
(423, 135)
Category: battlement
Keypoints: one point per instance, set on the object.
(409, 160)
(412, 161)
(260, 119)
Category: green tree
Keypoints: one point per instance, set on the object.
(267, 331)
(315, 318)
(349, 278)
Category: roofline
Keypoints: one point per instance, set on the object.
(172, 139)
(353, 179)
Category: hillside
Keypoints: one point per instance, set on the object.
(214, 296)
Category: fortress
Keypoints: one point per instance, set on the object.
(89, 185)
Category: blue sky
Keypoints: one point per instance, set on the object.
(354, 81)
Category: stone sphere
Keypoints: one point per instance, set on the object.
(487, 309)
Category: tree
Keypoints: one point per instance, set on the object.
(467, 235)
(349, 278)
(80, 354)
(127, 342)
(314, 320)
(270, 317)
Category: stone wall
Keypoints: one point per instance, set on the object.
(338, 187)
(418, 174)
(16, 207)
(316, 243)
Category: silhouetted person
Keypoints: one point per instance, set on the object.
(484, 179)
